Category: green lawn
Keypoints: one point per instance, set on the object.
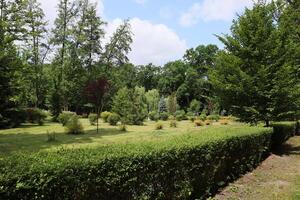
(33, 138)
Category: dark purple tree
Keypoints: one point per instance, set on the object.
(95, 92)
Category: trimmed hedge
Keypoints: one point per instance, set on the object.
(183, 167)
(282, 131)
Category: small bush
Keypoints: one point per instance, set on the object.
(154, 116)
(192, 118)
(208, 122)
(202, 117)
(199, 123)
(213, 117)
(105, 115)
(64, 117)
(173, 123)
(113, 119)
(74, 126)
(51, 137)
(224, 121)
(171, 117)
(35, 115)
(122, 127)
(164, 116)
(180, 115)
(93, 118)
(159, 126)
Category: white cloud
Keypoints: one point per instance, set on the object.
(213, 10)
(50, 8)
(140, 1)
(152, 43)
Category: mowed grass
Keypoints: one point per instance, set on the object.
(33, 138)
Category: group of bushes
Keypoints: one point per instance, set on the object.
(17, 116)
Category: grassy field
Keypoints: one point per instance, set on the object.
(33, 138)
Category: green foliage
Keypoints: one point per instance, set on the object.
(154, 116)
(162, 105)
(252, 77)
(213, 117)
(172, 103)
(12, 117)
(93, 118)
(35, 115)
(180, 115)
(74, 126)
(104, 115)
(164, 116)
(152, 97)
(282, 131)
(195, 107)
(203, 117)
(131, 105)
(167, 169)
(64, 117)
(113, 119)
(159, 126)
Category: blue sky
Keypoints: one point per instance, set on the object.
(164, 29)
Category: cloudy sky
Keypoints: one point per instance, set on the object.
(164, 29)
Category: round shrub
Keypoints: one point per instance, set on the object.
(113, 119)
(74, 126)
(35, 115)
(199, 123)
(154, 116)
(213, 117)
(202, 117)
(93, 118)
(64, 117)
(180, 115)
(173, 124)
(171, 117)
(159, 126)
(105, 115)
(164, 116)
(192, 118)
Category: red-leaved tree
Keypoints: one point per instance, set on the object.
(95, 92)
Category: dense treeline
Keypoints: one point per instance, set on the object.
(256, 76)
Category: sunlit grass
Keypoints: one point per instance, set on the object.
(33, 138)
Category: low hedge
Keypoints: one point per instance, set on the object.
(282, 131)
(183, 167)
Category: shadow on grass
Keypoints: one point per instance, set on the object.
(29, 142)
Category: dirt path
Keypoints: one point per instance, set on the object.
(277, 178)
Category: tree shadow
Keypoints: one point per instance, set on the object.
(32, 142)
(287, 149)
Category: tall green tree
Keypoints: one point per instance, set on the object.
(11, 30)
(116, 50)
(248, 77)
(62, 40)
(36, 52)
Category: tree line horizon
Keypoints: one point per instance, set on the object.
(254, 77)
